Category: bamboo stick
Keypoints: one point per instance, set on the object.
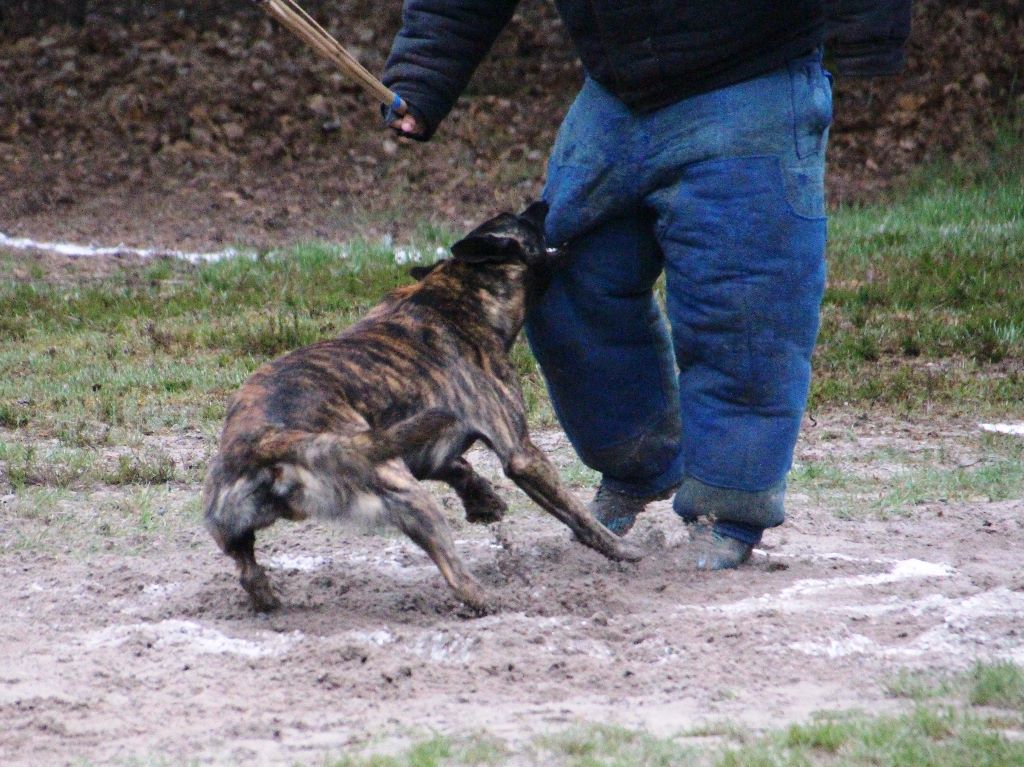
(291, 15)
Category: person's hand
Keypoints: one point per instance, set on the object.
(407, 125)
(402, 121)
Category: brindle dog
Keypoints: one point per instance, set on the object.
(346, 427)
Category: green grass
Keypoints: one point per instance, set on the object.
(608, 746)
(77, 467)
(925, 300)
(997, 480)
(1000, 685)
(160, 347)
(925, 737)
(891, 482)
(83, 522)
(920, 686)
(476, 751)
(577, 474)
(978, 723)
(924, 312)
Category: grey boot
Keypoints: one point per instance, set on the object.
(709, 549)
(617, 511)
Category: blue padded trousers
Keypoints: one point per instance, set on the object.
(723, 193)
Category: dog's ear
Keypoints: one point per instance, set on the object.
(535, 214)
(419, 272)
(494, 240)
(506, 237)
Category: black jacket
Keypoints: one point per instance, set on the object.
(649, 53)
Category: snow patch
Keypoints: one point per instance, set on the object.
(959, 632)
(1016, 429)
(790, 599)
(301, 562)
(380, 637)
(903, 570)
(190, 635)
(445, 647)
(838, 647)
(88, 251)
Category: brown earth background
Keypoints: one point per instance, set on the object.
(202, 124)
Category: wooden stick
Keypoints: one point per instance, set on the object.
(291, 15)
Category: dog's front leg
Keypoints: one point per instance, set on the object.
(529, 468)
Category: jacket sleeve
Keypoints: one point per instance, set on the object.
(866, 37)
(438, 48)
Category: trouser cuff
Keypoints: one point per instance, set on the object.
(755, 510)
(748, 534)
(660, 486)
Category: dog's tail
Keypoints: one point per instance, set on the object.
(299, 474)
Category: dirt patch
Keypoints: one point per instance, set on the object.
(107, 655)
(197, 136)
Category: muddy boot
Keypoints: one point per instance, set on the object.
(711, 548)
(617, 511)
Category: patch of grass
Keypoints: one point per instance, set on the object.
(998, 684)
(26, 465)
(535, 393)
(997, 480)
(136, 469)
(925, 302)
(841, 489)
(608, 746)
(827, 735)
(919, 686)
(473, 751)
(38, 503)
(130, 522)
(127, 521)
(152, 347)
(820, 474)
(578, 474)
(719, 729)
(889, 482)
(13, 416)
(926, 737)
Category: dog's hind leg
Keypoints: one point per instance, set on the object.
(252, 576)
(481, 503)
(529, 468)
(416, 514)
(234, 508)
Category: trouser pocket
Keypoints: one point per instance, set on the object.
(811, 89)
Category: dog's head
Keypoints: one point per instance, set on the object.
(503, 264)
(507, 237)
(510, 240)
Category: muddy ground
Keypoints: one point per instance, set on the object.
(143, 647)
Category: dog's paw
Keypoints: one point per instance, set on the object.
(476, 601)
(479, 611)
(486, 510)
(261, 595)
(627, 551)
